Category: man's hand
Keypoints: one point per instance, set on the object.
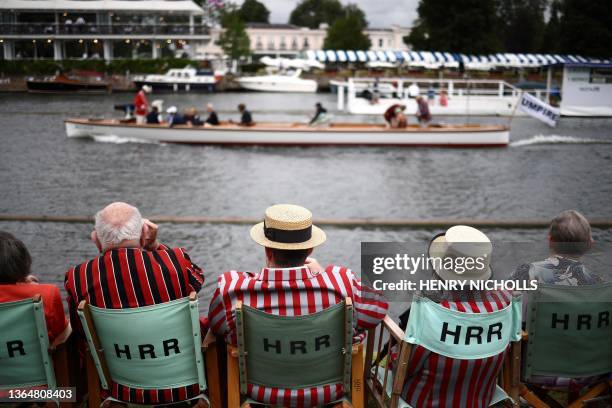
(148, 239)
(314, 266)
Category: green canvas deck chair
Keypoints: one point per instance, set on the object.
(150, 347)
(569, 334)
(293, 352)
(426, 325)
(26, 357)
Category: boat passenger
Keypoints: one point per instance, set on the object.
(141, 104)
(245, 119)
(391, 112)
(399, 121)
(320, 115)
(175, 118)
(422, 113)
(443, 98)
(153, 116)
(292, 284)
(17, 283)
(192, 118)
(136, 270)
(212, 118)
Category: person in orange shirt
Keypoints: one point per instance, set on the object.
(17, 283)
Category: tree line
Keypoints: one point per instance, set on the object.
(462, 26)
(345, 24)
(532, 26)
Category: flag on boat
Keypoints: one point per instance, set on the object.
(538, 109)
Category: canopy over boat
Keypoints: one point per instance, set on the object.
(297, 134)
(436, 59)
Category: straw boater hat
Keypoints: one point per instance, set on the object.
(287, 226)
(462, 241)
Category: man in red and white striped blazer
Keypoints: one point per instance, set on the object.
(133, 270)
(291, 284)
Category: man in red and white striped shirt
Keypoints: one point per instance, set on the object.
(133, 270)
(291, 284)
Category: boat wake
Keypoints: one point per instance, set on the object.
(121, 140)
(557, 139)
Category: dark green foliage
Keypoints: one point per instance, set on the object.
(253, 11)
(234, 40)
(586, 27)
(311, 13)
(347, 32)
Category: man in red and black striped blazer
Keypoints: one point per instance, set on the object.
(133, 270)
(292, 284)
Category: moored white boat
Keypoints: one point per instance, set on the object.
(297, 134)
(181, 80)
(287, 82)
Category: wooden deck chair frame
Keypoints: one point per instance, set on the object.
(509, 378)
(536, 395)
(237, 375)
(55, 355)
(98, 375)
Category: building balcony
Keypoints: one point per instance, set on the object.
(50, 29)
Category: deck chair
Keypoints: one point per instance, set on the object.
(150, 347)
(426, 323)
(293, 352)
(569, 332)
(27, 358)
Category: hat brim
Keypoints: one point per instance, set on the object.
(318, 237)
(435, 251)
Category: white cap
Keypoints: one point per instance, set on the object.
(172, 109)
(147, 88)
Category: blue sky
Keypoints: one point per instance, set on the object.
(380, 13)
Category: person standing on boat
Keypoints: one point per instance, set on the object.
(292, 284)
(391, 111)
(141, 104)
(422, 113)
(212, 119)
(320, 114)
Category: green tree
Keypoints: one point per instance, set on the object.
(586, 28)
(347, 32)
(233, 40)
(311, 13)
(468, 26)
(252, 11)
(522, 24)
(552, 32)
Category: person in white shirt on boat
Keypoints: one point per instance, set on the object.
(175, 118)
(413, 90)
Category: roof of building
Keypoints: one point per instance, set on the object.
(184, 6)
(273, 25)
(591, 64)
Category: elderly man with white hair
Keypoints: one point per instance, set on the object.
(132, 270)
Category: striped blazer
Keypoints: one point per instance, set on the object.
(131, 277)
(294, 292)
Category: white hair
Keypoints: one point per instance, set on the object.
(113, 233)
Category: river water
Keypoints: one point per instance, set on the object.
(544, 171)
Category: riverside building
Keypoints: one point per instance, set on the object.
(108, 29)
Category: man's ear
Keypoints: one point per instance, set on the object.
(310, 251)
(269, 256)
(95, 240)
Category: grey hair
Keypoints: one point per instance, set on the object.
(570, 233)
(110, 233)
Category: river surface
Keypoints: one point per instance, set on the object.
(544, 171)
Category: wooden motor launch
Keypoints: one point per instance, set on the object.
(300, 134)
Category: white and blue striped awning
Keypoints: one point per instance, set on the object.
(437, 58)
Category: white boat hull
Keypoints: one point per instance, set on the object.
(278, 84)
(457, 106)
(296, 134)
